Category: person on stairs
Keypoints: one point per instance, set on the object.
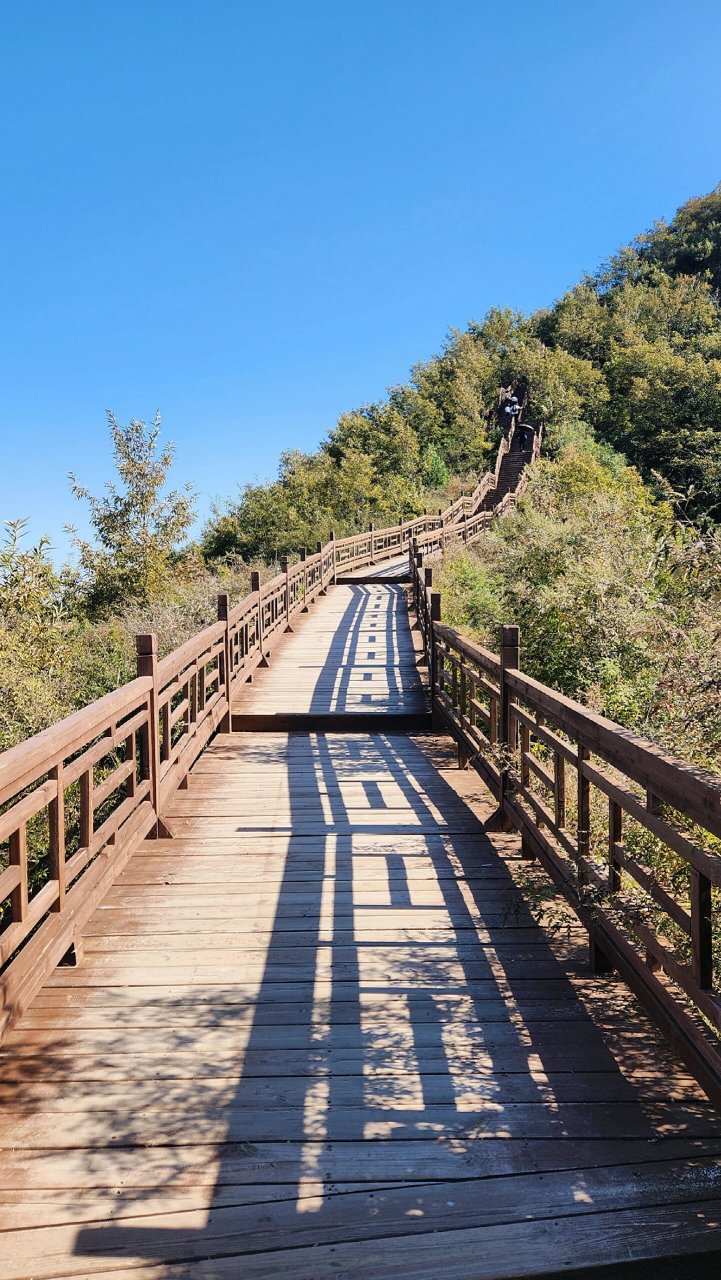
(512, 412)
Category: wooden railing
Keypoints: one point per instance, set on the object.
(83, 791)
(468, 527)
(76, 799)
(627, 832)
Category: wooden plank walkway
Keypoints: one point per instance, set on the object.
(352, 656)
(328, 1024)
(385, 571)
(320, 1033)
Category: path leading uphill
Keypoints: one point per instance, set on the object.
(319, 1032)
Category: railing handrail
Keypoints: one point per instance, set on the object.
(522, 736)
(28, 760)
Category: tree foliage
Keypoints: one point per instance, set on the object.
(138, 527)
(617, 601)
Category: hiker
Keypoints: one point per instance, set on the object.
(512, 412)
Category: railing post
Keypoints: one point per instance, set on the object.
(223, 616)
(284, 567)
(510, 661)
(583, 811)
(462, 700)
(417, 571)
(56, 836)
(303, 558)
(428, 627)
(332, 543)
(255, 588)
(147, 665)
(372, 531)
(701, 930)
(433, 665)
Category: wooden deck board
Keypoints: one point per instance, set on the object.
(321, 1033)
(353, 655)
(383, 571)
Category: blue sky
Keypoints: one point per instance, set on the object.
(255, 216)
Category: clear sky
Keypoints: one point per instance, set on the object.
(253, 216)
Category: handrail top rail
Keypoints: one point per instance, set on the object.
(36, 755)
(178, 658)
(644, 761)
(484, 657)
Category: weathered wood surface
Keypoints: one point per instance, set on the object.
(320, 1034)
(385, 571)
(569, 774)
(354, 655)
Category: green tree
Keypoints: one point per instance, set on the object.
(30, 587)
(34, 638)
(433, 469)
(138, 527)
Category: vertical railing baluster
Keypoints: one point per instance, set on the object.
(525, 749)
(86, 807)
(56, 823)
(226, 680)
(285, 568)
(303, 558)
(435, 675)
(701, 930)
(559, 789)
(615, 836)
(583, 823)
(427, 605)
(147, 651)
(255, 588)
(333, 558)
(19, 859)
(510, 661)
(462, 700)
(130, 754)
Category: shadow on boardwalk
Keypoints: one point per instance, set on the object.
(391, 1075)
(381, 1082)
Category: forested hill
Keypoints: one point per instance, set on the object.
(633, 351)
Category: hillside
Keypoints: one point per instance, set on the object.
(611, 571)
(634, 352)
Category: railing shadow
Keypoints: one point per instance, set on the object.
(429, 1041)
(405, 1024)
(366, 649)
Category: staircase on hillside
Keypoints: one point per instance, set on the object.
(508, 476)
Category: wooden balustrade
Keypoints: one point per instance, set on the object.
(74, 801)
(643, 875)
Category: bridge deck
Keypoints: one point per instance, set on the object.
(385, 571)
(320, 1034)
(353, 655)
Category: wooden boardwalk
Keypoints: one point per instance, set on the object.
(354, 656)
(319, 1033)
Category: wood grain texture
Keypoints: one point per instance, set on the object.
(321, 1032)
(354, 655)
